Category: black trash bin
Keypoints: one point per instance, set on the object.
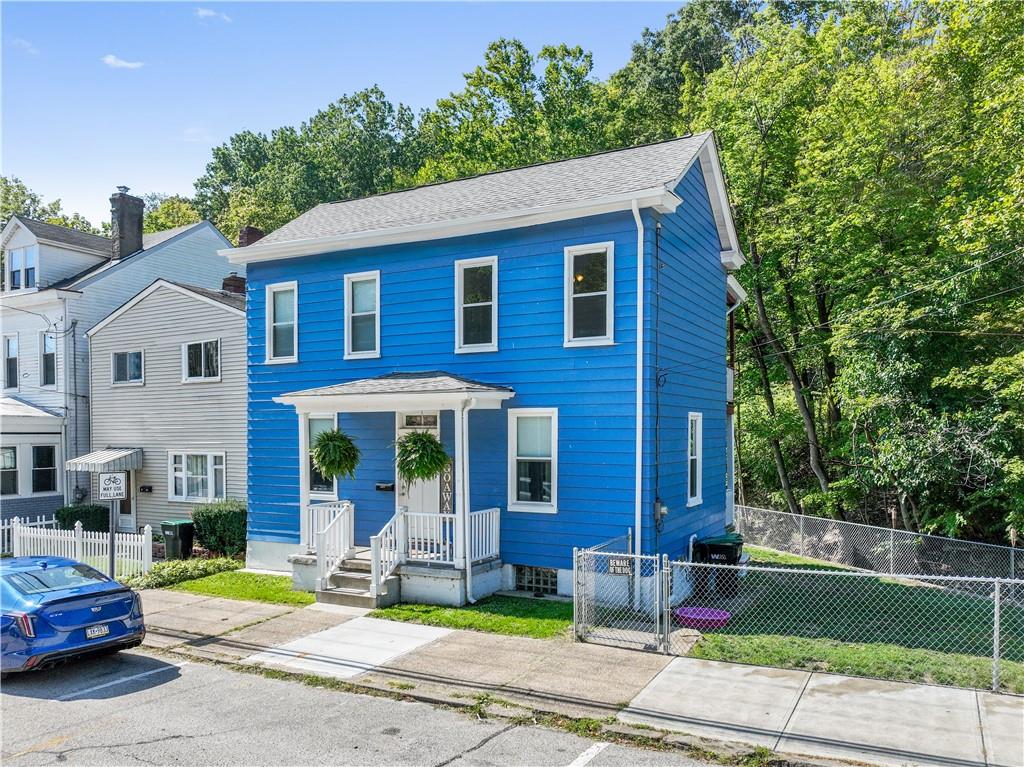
(718, 550)
(178, 535)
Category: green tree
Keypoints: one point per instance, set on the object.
(167, 212)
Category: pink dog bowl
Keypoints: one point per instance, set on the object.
(701, 617)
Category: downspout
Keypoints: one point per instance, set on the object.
(639, 442)
(466, 406)
(67, 412)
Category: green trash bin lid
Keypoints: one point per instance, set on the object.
(730, 539)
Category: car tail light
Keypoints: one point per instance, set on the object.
(24, 623)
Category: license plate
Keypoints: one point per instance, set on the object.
(95, 632)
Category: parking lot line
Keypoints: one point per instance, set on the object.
(588, 755)
(122, 680)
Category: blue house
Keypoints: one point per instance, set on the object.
(560, 327)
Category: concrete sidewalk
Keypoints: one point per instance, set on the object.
(723, 706)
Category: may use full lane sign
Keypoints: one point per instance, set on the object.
(113, 485)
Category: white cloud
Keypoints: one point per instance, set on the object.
(209, 13)
(114, 62)
(24, 45)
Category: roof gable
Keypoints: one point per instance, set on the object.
(230, 302)
(60, 235)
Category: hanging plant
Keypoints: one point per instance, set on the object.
(335, 454)
(419, 455)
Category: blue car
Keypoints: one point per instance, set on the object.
(54, 609)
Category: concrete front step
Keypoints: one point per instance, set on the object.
(352, 588)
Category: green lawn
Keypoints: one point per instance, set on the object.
(537, 618)
(773, 558)
(257, 587)
(866, 626)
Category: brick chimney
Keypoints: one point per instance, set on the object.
(247, 235)
(126, 223)
(233, 284)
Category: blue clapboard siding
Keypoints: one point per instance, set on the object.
(687, 332)
(593, 388)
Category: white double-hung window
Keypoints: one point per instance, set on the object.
(533, 460)
(8, 470)
(11, 361)
(282, 322)
(127, 368)
(200, 361)
(47, 359)
(21, 267)
(362, 315)
(590, 294)
(476, 305)
(694, 459)
(195, 477)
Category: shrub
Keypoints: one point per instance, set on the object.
(220, 526)
(92, 516)
(164, 574)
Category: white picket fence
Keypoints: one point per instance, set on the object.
(6, 538)
(133, 553)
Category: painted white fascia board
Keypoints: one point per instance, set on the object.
(356, 403)
(35, 298)
(660, 198)
(153, 287)
(732, 285)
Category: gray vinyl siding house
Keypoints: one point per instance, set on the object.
(190, 429)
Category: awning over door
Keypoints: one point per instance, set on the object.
(111, 459)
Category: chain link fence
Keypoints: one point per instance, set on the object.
(960, 631)
(880, 549)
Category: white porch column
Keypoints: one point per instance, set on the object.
(306, 533)
(461, 501)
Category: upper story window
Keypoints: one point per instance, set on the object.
(21, 267)
(589, 294)
(362, 315)
(200, 361)
(533, 459)
(476, 305)
(8, 471)
(11, 362)
(47, 359)
(126, 368)
(44, 468)
(282, 322)
(695, 459)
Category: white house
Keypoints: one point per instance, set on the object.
(57, 284)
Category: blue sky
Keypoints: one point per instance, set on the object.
(100, 94)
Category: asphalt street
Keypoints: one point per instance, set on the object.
(137, 708)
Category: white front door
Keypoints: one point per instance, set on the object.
(425, 495)
(126, 508)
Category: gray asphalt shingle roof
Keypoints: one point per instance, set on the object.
(565, 181)
(234, 300)
(431, 382)
(62, 234)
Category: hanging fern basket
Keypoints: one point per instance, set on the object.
(419, 455)
(335, 454)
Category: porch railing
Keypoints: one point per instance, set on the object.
(430, 537)
(385, 553)
(484, 534)
(335, 540)
(319, 516)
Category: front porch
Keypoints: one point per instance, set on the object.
(434, 546)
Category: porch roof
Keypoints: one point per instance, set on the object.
(111, 459)
(431, 389)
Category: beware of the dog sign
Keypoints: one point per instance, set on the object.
(113, 485)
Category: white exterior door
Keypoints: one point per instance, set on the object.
(423, 496)
(126, 508)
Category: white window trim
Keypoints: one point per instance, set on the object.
(17, 472)
(608, 338)
(57, 484)
(460, 267)
(691, 418)
(185, 378)
(319, 495)
(10, 270)
(514, 504)
(3, 354)
(141, 381)
(268, 339)
(42, 351)
(184, 453)
(349, 279)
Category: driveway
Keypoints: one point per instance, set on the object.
(136, 708)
